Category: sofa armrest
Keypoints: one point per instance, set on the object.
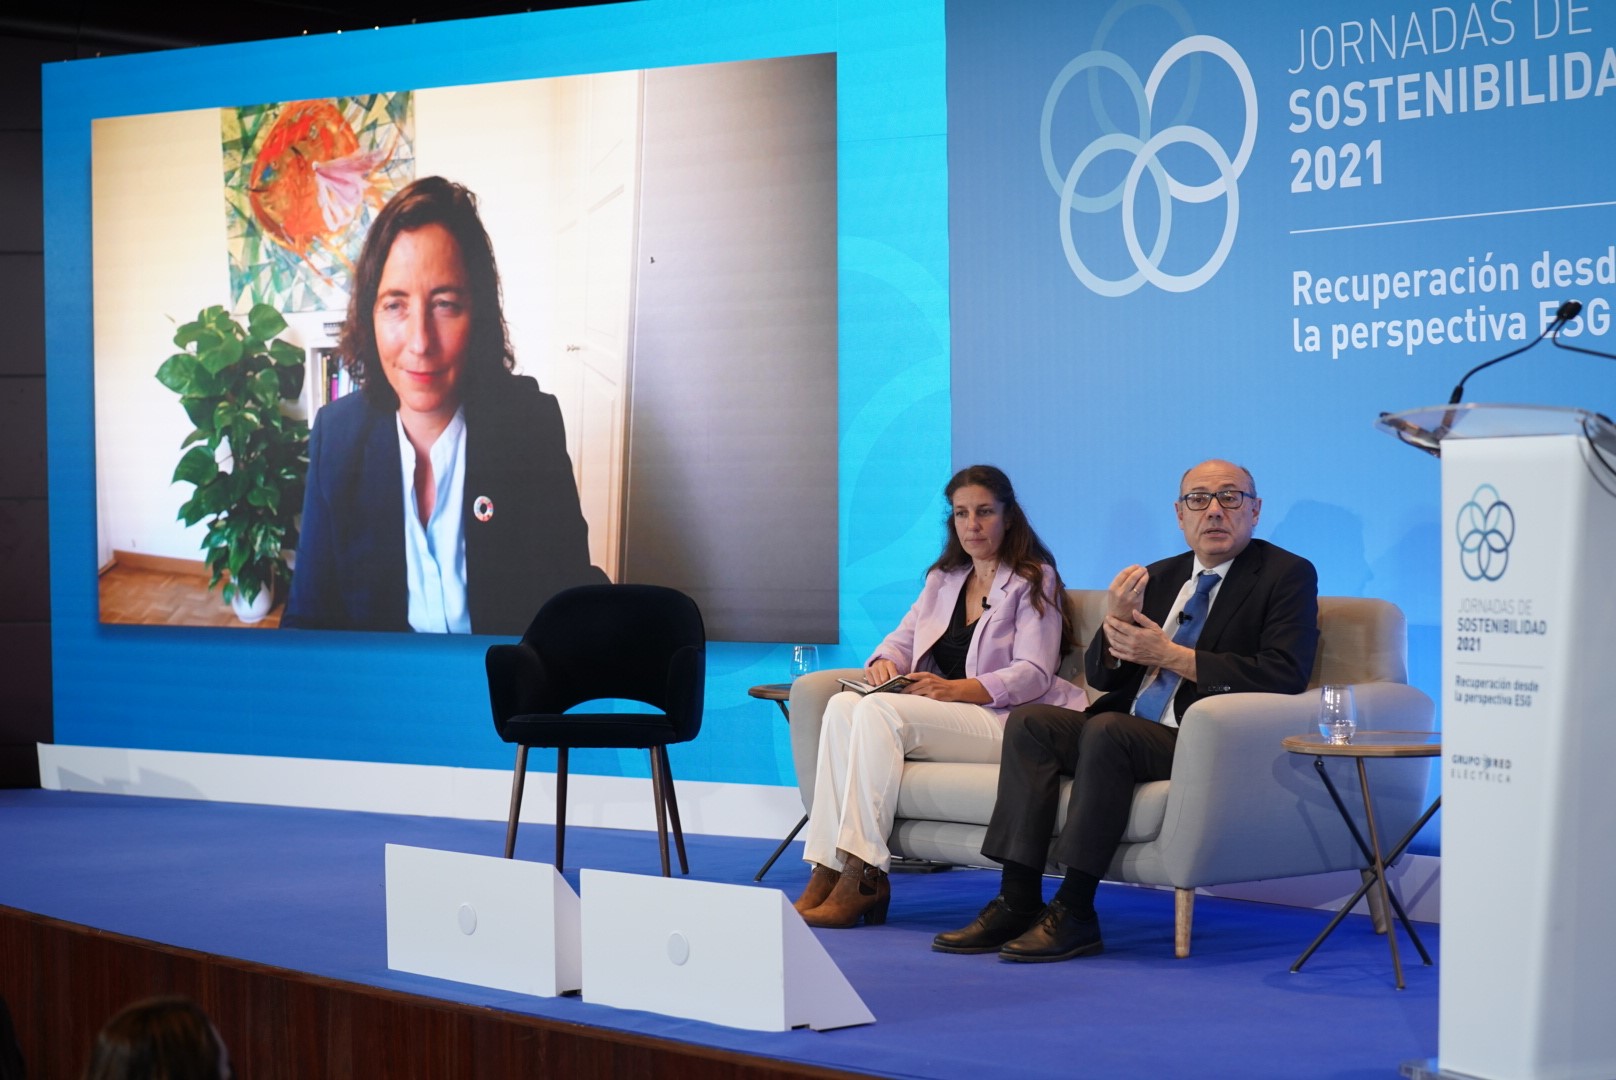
(809, 695)
(1242, 807)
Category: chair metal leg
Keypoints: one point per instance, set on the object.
(790, 836)
(561, 805)
(516, 801)
(673, 808)
(661, 810)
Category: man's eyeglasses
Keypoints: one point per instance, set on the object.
(1228, 498)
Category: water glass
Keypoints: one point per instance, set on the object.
(1337, 717)
(804, 658)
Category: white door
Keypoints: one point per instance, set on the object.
(596, 185)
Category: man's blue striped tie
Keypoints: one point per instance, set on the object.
(1153, 702)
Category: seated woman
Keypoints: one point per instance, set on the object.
(986, 635)
(440, 498)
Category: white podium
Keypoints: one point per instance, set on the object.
(1528, 964)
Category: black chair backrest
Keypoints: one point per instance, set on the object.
(641, 643)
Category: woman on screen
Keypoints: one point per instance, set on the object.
(986, 635)
(440, 498)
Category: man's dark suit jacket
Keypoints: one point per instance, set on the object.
(350, 558)
(1260, 636)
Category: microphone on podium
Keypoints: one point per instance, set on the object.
(1430, 441)
(1564, 314)
(1555, 335)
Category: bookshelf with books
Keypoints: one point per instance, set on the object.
(335, 379)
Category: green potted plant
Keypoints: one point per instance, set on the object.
(247, 458)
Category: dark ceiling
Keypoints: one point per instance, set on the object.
(93, 28)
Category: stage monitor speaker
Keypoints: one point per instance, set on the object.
(477, 919)
(736, 955)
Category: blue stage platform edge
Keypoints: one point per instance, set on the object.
(303, 889)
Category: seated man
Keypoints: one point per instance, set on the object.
(1242, 616)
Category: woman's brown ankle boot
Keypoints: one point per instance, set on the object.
(862, 892)
(820, 884)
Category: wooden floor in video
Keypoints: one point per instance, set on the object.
(154, 597)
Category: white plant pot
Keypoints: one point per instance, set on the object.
(255, 611)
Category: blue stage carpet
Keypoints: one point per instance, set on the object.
(303, 889)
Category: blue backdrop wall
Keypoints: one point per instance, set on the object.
(1334, 209)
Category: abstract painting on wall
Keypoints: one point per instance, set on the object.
(302, 181)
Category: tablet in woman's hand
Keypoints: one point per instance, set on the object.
(893, 685)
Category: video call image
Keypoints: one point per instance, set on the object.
(415, 360)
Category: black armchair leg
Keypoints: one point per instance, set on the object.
(673, 808)
(661, 809)
(516, 801)
(561, 805)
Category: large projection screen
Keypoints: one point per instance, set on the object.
(397, 698)
(666, 246)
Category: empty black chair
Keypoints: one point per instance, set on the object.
(640, 643)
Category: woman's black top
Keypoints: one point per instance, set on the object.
(950, 650)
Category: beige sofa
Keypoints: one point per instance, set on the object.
(1238, 807)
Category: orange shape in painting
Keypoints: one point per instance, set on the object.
(310, 180)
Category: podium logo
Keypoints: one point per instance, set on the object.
(1480, 767)
(1485, 528)
(1151, 135)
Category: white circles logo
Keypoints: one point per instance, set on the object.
(1146, 148)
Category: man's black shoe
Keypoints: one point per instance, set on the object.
(1059, 934)
(996, 924)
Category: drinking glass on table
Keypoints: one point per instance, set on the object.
(804, 658)
(1337, 717)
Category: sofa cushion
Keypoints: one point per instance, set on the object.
(949, 791)
(1148, 812)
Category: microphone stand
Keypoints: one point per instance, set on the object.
(1555, 339)
(1567, 311)
(1430, 441)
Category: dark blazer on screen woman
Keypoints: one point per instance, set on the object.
(529, 542)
